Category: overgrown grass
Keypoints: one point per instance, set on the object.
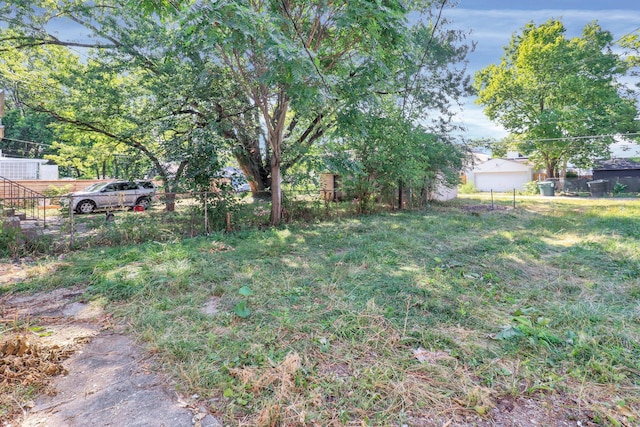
(388, 319)
(189, 219)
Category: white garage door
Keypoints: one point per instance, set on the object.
(506, 181)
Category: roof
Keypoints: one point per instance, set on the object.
(502, 165)
(22, 160)
(616, 164)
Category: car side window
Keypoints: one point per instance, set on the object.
(146, 184)
(130, 186)
(109, 188)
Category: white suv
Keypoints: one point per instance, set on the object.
(111, 195)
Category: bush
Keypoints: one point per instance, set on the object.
(467, 188)
(619, 188)
(55, 191)
(11, 240)
(530, 189)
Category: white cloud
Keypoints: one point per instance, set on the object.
(477, 124)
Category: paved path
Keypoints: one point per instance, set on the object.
(106, 386)
(108, 380)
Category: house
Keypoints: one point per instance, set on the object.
(501, 174)
(27, 169)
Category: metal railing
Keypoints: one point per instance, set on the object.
(24, 201)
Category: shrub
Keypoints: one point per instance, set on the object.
(55, 191)
(11, 240)
(619, 188)
(467, 188)
(530, 189)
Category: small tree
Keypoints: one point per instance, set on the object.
(382, 152)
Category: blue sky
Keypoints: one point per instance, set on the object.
(492, 22)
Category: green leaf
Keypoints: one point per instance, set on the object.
(245, 291)
(228, 393)
(242, 310)
(543, 321)
(523, 320)
(508, 333)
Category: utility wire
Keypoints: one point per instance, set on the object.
(623, 36)
(568, 138)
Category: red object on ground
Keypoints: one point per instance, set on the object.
(138, 208)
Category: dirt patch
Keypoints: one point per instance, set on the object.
(64, 362)
(212, 307)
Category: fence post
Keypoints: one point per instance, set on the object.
(492, 207)
(514, 198)
(71, 242)
(206, 215)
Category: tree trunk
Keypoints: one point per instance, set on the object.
(275, 126)
(250, 162)
(551, 169)
(170, 202)
(276, 193)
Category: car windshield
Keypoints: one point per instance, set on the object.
(94, 187)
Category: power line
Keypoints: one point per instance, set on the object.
(623, 36)
(568, 138)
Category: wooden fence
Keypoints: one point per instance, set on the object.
(42, 186)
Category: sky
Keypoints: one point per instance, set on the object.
(492, 22)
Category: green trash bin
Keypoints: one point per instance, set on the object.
(547, 188)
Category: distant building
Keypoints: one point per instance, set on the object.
(501, 174)
(27, 169)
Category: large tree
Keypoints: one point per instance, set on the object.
(558, 96)
(302, 63)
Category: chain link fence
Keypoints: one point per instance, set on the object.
(62, 223)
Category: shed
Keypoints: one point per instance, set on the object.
(331, 187)
(501, 174)
(623, 171)
(616, 168)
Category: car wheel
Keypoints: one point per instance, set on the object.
(85, 207)
(144, 202)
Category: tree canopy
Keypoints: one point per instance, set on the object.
(559, 96)
(189, 83)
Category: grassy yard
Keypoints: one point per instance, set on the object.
(392, 319)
